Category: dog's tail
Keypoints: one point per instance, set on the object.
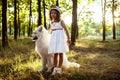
(68, 64)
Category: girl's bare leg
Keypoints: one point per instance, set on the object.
(60, 59)
(55, 59)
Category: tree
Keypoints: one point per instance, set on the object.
(114, 31)
(19, 29)
(39, 13)
(4, 24)
(15, 20)
(74, 30)
(103, 18)
(30, 17)
(57, 2)
(44, 14)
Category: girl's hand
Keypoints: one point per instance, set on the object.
(68, 42)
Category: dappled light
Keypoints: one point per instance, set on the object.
(91, 56)
(95, 57)
(31, 64)
(93, 28)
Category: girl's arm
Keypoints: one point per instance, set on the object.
(65, 28)
(66, 31)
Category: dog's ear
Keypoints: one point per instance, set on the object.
(40, 28)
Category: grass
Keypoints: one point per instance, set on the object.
(99, 61)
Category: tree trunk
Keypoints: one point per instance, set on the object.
(114, 30)
(39, 13)
(74, 23)
(23, 29)
(30, 17)
(4, 24)
(19, 29)
(44, 14)
(103, 18)
(15, 21)
(57, 2)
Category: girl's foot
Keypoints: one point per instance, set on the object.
(59, 70)
(54, 71)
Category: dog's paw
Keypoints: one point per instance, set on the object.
(50, 69)
(42, 70)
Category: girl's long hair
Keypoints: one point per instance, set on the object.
(58, 18)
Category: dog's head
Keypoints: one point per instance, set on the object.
(37, 32)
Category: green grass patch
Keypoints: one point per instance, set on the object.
(99, 61)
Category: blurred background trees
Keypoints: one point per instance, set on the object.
(84, 18)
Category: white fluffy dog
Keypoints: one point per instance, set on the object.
(42, 38)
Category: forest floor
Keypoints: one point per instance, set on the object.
(99, 61)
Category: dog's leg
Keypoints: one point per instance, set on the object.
(44, 62)
(50, 62)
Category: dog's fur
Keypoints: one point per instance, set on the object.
(42, 38)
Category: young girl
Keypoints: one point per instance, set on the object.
(59, 42)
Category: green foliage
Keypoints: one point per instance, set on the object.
(0, 13)
(116, 4)
(86, 11)
(118, 30)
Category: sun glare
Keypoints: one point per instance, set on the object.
(68, 20)
(91, 56)
(97, 17)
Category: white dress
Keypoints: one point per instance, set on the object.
(58, 41)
